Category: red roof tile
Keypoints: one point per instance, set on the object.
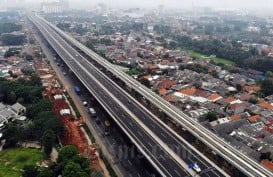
(189, 91)
(266, 105)
(254, 119)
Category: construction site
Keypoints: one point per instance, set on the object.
(74, 134)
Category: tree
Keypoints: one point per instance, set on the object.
(145, 82)
(67, 152)
(83, 162)
(266, 156)
(267, 87)
(11, 98)
(211, 116)
(30, 171)
(42, 105)
(12, 136)
(48, 141)
(214, 73)
(238, 87)
(11, 39)
(253, 100)
(45, 172)
(73, 169)
(35, 80)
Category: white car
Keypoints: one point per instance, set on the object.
(196, 168)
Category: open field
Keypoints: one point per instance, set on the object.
(13, 160)
(216, 59)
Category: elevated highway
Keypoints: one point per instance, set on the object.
(144, 124)
(239, 160)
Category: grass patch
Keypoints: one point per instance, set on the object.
(13, 160)
(93, 140)
(216, 59)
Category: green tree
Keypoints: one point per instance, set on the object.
(11, 98)
(211, 116)
(73, 169)
(145, 82)
(266, 156)
(42, 105)
(11, 39)
(83, 162)
(12, 136)
(45, 172)
(267, 87)
(67, 153)
(214, 73)
(30, 171)
(48, 141)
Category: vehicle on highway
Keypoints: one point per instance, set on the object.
(106, 131)
(107, 123)
(77, 90)
(196, 168)
(92, 112)
(98, 120)
(85, 103)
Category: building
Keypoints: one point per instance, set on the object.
(57, 6)
(10, 113)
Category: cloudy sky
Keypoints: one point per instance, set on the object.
(182, 3)
(246, 4)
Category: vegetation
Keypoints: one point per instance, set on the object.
(217, 60)
(12, 39)
(145, 82)
(211, 116)
(13, 160)
(69, 164)
(12, 52)
(42, 125)
(48, 141)
(267, 87)
(266, 156)
(9, 27)
(28, 91)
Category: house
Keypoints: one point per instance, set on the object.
(8, 114)
(236, 108)
(254, 119)
(214, 97)
(252, 89)
(18, 109)
(189, 91)
(266, 105)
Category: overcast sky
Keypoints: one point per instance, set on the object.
(246, 4)
(182, 3)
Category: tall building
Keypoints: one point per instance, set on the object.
(57, 6)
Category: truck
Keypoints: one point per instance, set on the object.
(92, 112)
(77, 90)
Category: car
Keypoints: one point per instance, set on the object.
(196, 168)
(85, 103)
(107, 123)
(98, 120)
(106, 132)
